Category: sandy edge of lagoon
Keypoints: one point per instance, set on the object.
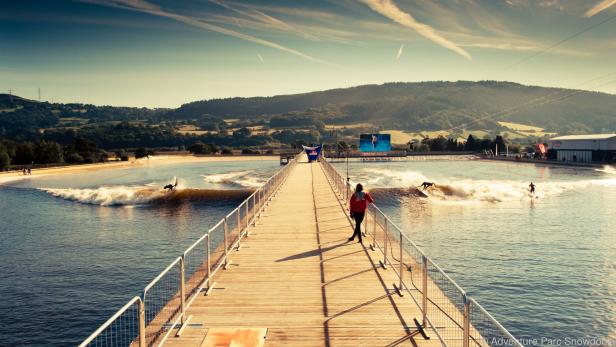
(17, 175)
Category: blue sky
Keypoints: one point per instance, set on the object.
(160, 53)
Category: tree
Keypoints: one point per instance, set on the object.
(242, 132)
(5, 160)
(202, 148)
(141, 152)
(438, 144)
(499, 144)
(48, 152)
(471, 144)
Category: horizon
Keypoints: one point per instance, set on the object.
(299, 93)
(161, 54)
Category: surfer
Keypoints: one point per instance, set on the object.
(427, 185)
(357, 205)
(375, 142)
(171, 187)
(532, 188)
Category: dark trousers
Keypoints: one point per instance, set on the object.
(359, 217)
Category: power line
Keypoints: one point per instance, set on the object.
(556, 44)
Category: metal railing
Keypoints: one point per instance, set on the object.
(455, 318)
(149, 319)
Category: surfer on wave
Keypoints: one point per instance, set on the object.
(427, 185)
(532, 188)
(171, 187)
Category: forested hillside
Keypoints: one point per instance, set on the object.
(431, 106)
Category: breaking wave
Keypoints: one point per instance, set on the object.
(244, 179)
(405, 184)
(143, 195)
(608, 169)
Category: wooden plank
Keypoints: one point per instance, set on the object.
(297, 276)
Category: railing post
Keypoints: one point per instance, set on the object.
(246, 217)
(209, 266)
(141, 323)
(226, 242)
(401, 262)
(239, 227)
(182, 290)
(374, 229)
(385, 237)
(467, 321)
(254, 209)
(424, 299)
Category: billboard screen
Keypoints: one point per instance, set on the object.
(375, 142)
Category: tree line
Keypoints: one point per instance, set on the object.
(28, 153)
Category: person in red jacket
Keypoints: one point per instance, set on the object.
(357, 205)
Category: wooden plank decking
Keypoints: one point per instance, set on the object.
(296, 276)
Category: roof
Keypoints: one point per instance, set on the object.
(584, 137)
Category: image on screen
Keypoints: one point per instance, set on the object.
(375, 142)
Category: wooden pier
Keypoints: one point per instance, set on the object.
(296, 281)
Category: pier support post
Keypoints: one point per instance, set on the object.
(424, 299)
(467, 322)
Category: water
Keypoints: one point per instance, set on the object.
(544, 267)
(76, 247)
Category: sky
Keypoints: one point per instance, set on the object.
(164, 53)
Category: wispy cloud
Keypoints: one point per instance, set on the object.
(260, 58)
(263, 18)
(155, 10)
(400, 51)
(600, 7)
(390, 10)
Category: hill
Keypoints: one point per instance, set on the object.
(413, 110)
(430, 106)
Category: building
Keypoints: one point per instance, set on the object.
(584, 148)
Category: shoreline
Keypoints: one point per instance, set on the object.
(551, 163)
(8, 176)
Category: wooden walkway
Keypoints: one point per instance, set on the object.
(298, 277)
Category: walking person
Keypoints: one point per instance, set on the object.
(357, 205)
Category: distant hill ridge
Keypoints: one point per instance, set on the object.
(405, 106)
(431, 106)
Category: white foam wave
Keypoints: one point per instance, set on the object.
(484, 190)
(241, 178)
(608, 169)
(109, 196)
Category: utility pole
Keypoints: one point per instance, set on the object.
(39, 94)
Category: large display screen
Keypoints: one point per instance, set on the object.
(375, 142)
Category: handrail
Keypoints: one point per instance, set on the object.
(244, 215)
(160, 275)
(113, 318)
(440, 295)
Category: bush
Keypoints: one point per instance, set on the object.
(5, 161)
(141, 153)
(73, 158)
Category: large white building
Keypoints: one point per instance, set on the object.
(585, 148)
